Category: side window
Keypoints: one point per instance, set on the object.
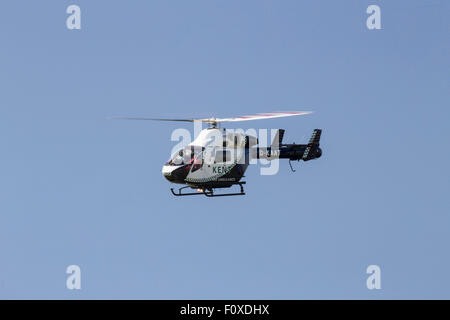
(222, 156)
(198, 162)
(197, 158)
(208, 155)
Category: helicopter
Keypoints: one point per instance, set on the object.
(218, 159)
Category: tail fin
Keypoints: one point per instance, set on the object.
(315, 138)
(313, 146)
(278, 138)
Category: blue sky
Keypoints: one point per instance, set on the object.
(79, 189)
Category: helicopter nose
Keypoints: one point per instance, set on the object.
(167, 172)
(175, 174)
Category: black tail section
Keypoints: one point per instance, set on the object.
(312, 150)
(303, 152)
(315, 138)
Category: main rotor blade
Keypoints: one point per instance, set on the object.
(214, 121)
(264, 116)
(153, 119)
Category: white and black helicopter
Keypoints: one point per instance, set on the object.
(218, 158)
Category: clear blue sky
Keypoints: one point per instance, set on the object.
(76, 188)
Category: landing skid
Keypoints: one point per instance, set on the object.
(290, 164)
(209, 192)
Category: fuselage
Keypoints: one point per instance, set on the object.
(217, 158)
(214, 159)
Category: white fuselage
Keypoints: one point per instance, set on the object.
(213, 157)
